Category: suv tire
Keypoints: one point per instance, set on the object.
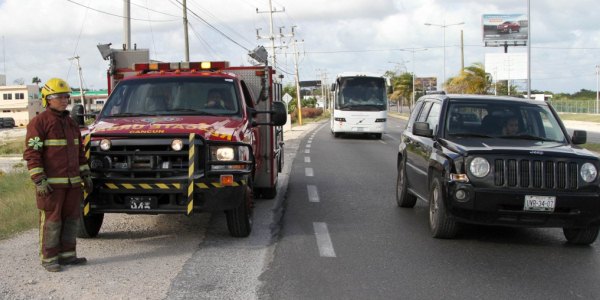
(403, 197)
(581, 236)
(440, 225)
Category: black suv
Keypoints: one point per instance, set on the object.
(497, 161)
(7, 122)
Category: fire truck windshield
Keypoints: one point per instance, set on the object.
(173, 96)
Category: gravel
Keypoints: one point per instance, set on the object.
(153, 257)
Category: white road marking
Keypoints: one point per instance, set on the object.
(391, 137)
(306, 151)
(307, 159)
(308, 145)
(309, 172)
(313, 194)
(383, 142)
(323, 240)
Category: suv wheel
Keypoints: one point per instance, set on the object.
(440, 225)
(403, 197)
(581, 236)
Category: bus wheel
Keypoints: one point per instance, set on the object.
(378, 136)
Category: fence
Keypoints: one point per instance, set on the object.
(574, 106)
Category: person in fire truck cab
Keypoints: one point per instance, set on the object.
(58, 166)
(215, 100)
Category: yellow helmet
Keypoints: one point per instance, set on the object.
(54, 86)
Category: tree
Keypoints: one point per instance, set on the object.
(472, 80)
(402, 87)
(36, 80)
(19, 81)
(502, 88)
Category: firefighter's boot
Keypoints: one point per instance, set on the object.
(52, 266)
(73, 260)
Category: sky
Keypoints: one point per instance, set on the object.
(334, 36)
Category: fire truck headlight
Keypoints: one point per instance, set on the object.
(105, 145)
(177, 145)
(225, 154)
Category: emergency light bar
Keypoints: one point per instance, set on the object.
(182, 66)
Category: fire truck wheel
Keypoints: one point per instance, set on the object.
(268, 193)
(239, 220)
(90, 226)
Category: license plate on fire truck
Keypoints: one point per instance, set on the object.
(141, 202)
(539, 203)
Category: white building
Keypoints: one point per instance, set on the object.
(21, 102)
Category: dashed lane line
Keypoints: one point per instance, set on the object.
(307, 159)
(313, 194)
(309, 172)
(323, 240)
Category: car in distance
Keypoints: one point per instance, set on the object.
(514, 164)
(508, 27)
(7, 122)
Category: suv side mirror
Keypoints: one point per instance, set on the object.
(579, 137)
(77, 114)
(422, 129)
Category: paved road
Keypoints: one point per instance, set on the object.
(343, 237)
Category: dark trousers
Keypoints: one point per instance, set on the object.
(59, 222)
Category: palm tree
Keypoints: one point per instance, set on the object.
(36, 80)
(471, 80)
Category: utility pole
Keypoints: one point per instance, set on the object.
(297, 83)
(127, 24)
(462, 51)
(185, 32)
(80, 83)
(529, 50)
(271, 36)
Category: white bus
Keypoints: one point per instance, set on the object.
(359, 104)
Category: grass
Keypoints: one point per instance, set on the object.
(580, 117)
(18, 210)
(592, 147)
(13, 146)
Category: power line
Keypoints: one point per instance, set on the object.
(115, 15)
(213, 27)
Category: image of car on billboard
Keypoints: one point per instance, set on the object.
(500, 28)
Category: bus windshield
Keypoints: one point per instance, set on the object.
(361, 93)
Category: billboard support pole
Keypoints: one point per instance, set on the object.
(528, 50)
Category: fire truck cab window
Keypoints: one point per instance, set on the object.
(162, 96)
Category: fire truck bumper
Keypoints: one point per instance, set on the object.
(166, 196)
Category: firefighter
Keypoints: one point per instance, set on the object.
(57, 164)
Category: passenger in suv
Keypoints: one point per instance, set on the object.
(531, 175)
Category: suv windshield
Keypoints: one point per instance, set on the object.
(173, 96)
(509, 120)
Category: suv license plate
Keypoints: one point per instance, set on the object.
(539, 203)
(141, 202)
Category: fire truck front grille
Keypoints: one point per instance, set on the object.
(142, 158)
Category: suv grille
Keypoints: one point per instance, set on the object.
(535, 174)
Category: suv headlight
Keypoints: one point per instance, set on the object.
(479, 167)
(588, 172)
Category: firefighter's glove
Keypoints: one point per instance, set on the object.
(43, 188)
(88, 185)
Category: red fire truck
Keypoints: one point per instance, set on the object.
(178, 138)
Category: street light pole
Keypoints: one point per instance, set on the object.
(413, 50)
(597, 87)
(443, 26)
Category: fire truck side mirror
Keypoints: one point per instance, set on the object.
(77, 114)
(278, 115)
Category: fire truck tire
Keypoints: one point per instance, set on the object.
(90, 226)
(239, 220)
(268, 193)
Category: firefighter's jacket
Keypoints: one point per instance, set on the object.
(53, 149)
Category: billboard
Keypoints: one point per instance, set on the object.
(426, 83)
(501, 29)
(506, 66)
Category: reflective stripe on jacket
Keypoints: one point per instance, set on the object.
(53, 149)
